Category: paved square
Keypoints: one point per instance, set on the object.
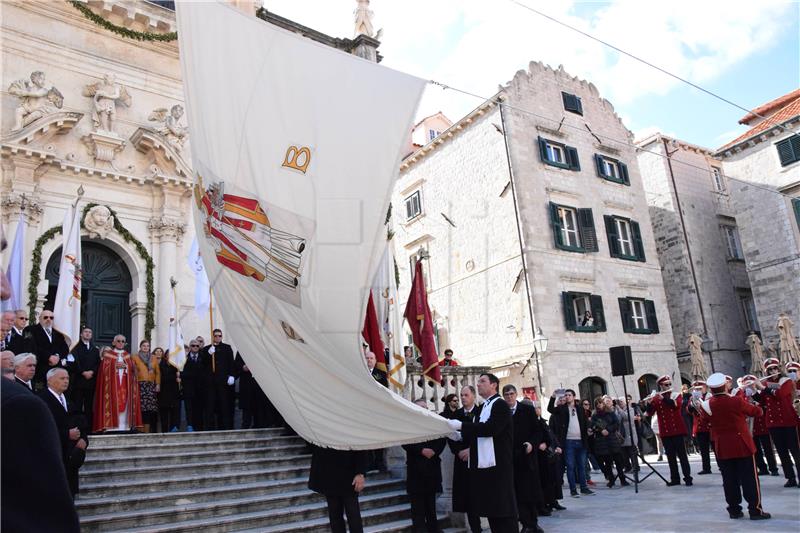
(658, 508)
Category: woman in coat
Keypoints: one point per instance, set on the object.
(169, 400)
(608, 440)
(148, 374)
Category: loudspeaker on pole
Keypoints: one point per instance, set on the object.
(621, 360)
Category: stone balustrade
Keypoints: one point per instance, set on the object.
(453, 378)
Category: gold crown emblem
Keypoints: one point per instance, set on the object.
(297, 158)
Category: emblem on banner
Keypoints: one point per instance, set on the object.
(297, 158)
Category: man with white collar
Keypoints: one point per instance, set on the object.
(468, 412)
(667, 405)
(491, 460)
(25, 369)
(83, 373)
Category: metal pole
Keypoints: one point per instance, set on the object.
(631, 428)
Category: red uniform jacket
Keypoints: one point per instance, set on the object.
(760, 425)
(670, 421)
(701, 422)
(732, 437)
(778, 404)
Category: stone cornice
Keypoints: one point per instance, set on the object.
(165, 157)
(758, 138)
(57, 123)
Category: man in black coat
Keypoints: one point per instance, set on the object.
(25, 369)
(568, 423)
(35, 493)
(528, 440)
(18, 340)
(83, 378)
(49, 345)
(73, 438)
(252, 400)
(339, 476)
(218, 369)
(468, 412)
(194, 390)
(491, 472)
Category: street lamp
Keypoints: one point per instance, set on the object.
(707, 345)
(539, 347)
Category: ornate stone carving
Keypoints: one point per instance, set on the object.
(12, 204)
(37, 99)
(98, 222)
(169, 125)
(103, 147)
(364, 19)
(43, 130)
(105, 95)
(167, 228)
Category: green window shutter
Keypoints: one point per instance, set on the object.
(556, 223)
(569, 314)
(796, 205)
(611, 233)
(543, 150)
(573, 162)
(623, 173)
(650, 313)
(625, 314)
(789, 150)
(587, 231)
(597, 312)
(598, 163)
(638, 245)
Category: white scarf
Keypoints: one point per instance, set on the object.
(486, 458)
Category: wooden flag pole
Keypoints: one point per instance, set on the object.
(211, 311)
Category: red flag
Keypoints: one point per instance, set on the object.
(372, 335)
(420, 321)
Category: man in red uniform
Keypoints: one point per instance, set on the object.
(764, 449)
(777, 396)
(734, 449)
(701, 427)
(667, 404)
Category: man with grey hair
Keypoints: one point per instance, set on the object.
(25, 369)
(7, 364)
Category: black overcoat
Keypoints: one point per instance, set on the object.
(169, 395)
(527, 483)
(43, 347)
(86, 359)
(248, 387)
(332, 471)
(460, 474)
(20, 342)
(424, 475)
(219, 366)
(608, 444)
(192, 378)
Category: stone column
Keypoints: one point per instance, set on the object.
(167, 233)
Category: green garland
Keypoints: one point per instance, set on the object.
(120, 30)
(36, 268)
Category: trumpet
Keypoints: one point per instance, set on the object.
(649, 397)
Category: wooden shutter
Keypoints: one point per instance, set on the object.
(611, 233)
(623, 173)
(555, 221)
(569, 314)
(789, 150)
(543, 150)
(598, 163)
(625, 315)
(572, 158)
(650, 313)
(597, 312)
(572, 103)
(587, 231)
(638, 245)
(796, 205)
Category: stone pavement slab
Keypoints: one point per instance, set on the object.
(658, 508)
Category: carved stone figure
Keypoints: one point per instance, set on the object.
(37, 99)
(789, 350)
(695, 343)
(756, 354)
(364, 19)
(170, 126)
(105, 95)
(98, 222)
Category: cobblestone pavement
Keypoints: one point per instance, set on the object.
(658, 508)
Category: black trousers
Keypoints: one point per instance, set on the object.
(217, 409)
(608, 461)
(631, 457)
(170, 416)
(676, 450)
(788, 446)
(474, 522)
(194, 411)
(338, 507)
(83, 398)
(72, 463)
(739, 477)
(703, 440)
(423, 512)
(764, 450)
(527, 514)
(503, 524)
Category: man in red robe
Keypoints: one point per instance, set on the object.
(116, 400)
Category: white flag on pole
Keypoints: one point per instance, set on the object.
(390, 317)
(202, 297)
(295, 147)
(67, 307)
(175, 346)
(15, 269)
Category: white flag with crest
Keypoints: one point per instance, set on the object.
(67, 306)
(390, 317)
(175, 345)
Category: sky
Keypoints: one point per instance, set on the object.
(745, 51)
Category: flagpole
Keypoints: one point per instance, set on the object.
(211, 311)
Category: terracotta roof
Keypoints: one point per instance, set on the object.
(790, 109)
(769, 106)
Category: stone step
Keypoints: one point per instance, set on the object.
(399, 526)
(147, 501)
(373, 520)
(208, 468)
(188, 457)
(109, 449)
(273, 510)
(131, 439)
(101, 487)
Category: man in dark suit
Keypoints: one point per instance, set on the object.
(468, 412)
(73, 438)
(83, 373)
(49, 345)
(339, 476)
(18, 341)
(377, 374)
(35, 493)
(491, 460)
(217, 359)
(568, 422)
(25, 369)
(528, 440)
(192, 377)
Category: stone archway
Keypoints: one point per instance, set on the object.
(592, 387)
(647, 383)
(105, 294)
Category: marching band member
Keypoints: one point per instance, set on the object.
(734, 449)
(701, 427)
(764, 449)
(667, 404)
(777, 397)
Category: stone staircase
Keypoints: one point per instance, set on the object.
(244, 480)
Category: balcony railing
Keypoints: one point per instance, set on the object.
(453, 378)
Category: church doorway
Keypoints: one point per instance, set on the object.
(105, 291)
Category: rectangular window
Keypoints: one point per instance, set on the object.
(733, 242)
(583, 312)
(432, 134)
(624, 238)
(572, 103)
(749, 311)
(611, 169)
(638, 316)
(559, 155)
(719, 181)
(789, 150)
(413, 205)
(573, 229)
(569, 227)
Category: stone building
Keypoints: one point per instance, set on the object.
(700, 252)
(584, 226)
(763, 169)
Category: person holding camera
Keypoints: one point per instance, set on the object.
(608, 440)
(570, 430)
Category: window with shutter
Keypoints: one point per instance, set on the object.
(555, 221)
(611, 169)
(572, 103)
(625, 314)
(733, 243)
(588, 234)
(598, 313)
(650, 316)
(789, 150)
(624, 238)
(413, 205)
(611, 234)
(583, 312)
(567, 232)
(638, 316)
(569, 314)
(573, 161)
(796, 206)
(638, 244)
(559, 155)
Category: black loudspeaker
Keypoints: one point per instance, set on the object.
(621, 360)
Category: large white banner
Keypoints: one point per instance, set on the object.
(295, 148)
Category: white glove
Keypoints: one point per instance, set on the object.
(70, 358)
(230, 380)
(212, 349)
(455, 425)
(456, 436)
